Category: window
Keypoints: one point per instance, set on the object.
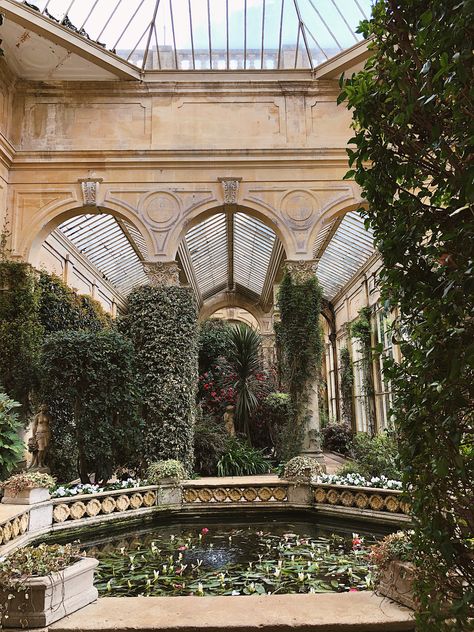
(361, 402)
(383, 395)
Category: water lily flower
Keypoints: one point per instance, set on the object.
(353, 589)
(252, 587)
(200, 589)
(204, 530)
(301, 577)
(277, 572)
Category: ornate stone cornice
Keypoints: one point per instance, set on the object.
(301, 271)
(162, 273)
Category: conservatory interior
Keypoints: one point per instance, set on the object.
(198, 349)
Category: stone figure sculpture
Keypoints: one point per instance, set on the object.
(39, 442)
(229, 421)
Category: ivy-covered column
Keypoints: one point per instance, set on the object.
(300, 342)
(161, 321)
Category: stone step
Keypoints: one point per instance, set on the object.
(346, 612)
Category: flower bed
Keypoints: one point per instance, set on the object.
(79, 489)
(356, 480)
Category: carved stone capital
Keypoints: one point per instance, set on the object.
(230, 189)
(90, 190)
(162, 273)
(301, 271)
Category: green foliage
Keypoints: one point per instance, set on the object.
(337, 437)
(93, 373)
(245, 362)
(20, 331)
(299, 338)
(160, 470)
(11, 445)
(241, 459)
(346, 384)
(412, 155)
(161, 324)
(376, 455)
(285, 437)
(210, 443)
(214, 342)
(351, 467)
(27, 480)
(61, 308)
(36, 561)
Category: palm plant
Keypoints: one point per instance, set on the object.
(244, 359)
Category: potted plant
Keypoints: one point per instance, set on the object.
(27, 488)
(39, 585)
(302, 469)
(165, 472)
(394, 569)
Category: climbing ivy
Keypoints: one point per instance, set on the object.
(299, 338)
(20, 332)
(412, 156)
(361, 330)
(161, 322)
(347, 384)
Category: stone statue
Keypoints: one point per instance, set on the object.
(229, 421)
(39, 442)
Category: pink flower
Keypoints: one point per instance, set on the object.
(182, 548)
(213, 394)
(204, 530)
(353, 590)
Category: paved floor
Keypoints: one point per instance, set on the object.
(346, 612)
(333, 462)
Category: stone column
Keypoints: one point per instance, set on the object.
(267, 334)
(301, 271)
(162, 273)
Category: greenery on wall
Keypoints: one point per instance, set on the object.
(161, 323)
(11, 445)
(347, 385)
(285, 437)
(299, 338)
(94, 374)
(412, 155)
(361, 330)
(20, 332)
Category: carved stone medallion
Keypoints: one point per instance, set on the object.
(90, 190)
(230, 189)
(161, 208)
(299, 206)
(301, 271)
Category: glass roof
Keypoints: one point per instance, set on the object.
(214, 34)
(230, 251)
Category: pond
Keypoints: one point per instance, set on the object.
(216, 556)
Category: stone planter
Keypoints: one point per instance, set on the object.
(396, 582)
(29, 496)
(51, 597)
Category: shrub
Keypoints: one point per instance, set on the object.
(210, 443)
(214, 337)
(93, 373)
(351, 467)
(11, 444)
(161, 323)
(302, 469)
(376, 455)
(160, 470)
(285, 437)
(36, 561)
(241, 459)
(337, 437)
(27, 480)
(395, 546)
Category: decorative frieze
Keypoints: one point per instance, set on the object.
(376, 500)
(14, 528)
(249, 494)
(90, 507)
(162, 273)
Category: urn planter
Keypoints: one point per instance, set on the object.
(29, 496)
(47, 599)
(396, 582)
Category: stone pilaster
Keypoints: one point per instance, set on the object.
(162, 273)
(302, 270)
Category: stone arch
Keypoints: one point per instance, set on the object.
(232, 299)
(52, 215)
(239, 315)
(201, 212)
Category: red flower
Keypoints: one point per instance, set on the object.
(204, 530)
(213, 394)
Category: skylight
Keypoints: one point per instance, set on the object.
(215, 34)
